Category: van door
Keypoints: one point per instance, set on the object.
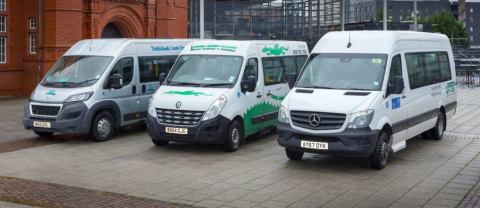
(415, 91)
(253, 101)
(126, 97)
(150, 69)
(396, 104)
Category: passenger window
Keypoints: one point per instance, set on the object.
(290, 66)
(251, 69)
(432, 68)
(444, 66)
(152, 67)
(416, 76)
(300, 62)
(273, 71)
(395, 69)
(124, 67)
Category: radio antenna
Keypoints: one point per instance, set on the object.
(349, 44)
(90, 44)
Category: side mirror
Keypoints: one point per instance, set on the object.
(115, 81)
(398, 85)
(161, 78)
(291, 78)
(250, 84)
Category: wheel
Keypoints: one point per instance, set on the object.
(294, 155)
(234, 137)
(102, 127)
(437, 131)
(379, 158)
(43, 133)
(426, 135)
(160, 142)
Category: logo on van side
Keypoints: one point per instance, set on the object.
(167, 48)
(450, 89)
(187, 93)
(51, 92)
(275, 50)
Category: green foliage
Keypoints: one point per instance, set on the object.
(380, 15)
(420, 19)
(445, 23)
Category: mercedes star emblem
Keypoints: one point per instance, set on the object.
(178, 104)
(314, 120)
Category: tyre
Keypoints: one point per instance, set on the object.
(160, 142)
(294, 155)
(426, 135)
(379, 158)
(43, 133)
(234, 138)
(437, 131)
(102, 127)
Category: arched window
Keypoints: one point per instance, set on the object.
(111, 31)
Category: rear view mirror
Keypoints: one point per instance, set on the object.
(292, 78)
(398, 85)
(250, 84)
(115, 81)
(161, 78)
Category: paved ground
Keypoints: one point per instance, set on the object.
(426, 174)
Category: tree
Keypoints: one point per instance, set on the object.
(420, 19)
(445, 23)
(380, 14)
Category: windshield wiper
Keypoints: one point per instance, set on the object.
(316, 87)
(354, 89)
(83, 82)
(216, 84)
(184, 84)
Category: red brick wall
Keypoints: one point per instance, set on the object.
(65, 22)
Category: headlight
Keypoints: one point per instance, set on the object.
(361, 119)
(151, 110)
(79, 97)
(215, 109)
(33, 94)
(283, 115)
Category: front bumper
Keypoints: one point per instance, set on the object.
(70, 120)
(351, 142)
(213, 131)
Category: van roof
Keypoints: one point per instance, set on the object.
(380, 42)
(123, 46)
(246, 47)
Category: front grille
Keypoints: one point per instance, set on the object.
(45, 110)
(179, 117)
(177, 136)
(42, 119)
(328, 121)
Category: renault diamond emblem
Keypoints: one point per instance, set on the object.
(178, 104)
(314, 120)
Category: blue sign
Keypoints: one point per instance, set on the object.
(238, 94)
(104, 93)
(386, 104)
(395, 103)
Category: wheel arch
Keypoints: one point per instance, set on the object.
(239, 119)
(109, 106)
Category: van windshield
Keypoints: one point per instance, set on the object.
(344, 71)
(77, 70)
(205, 71)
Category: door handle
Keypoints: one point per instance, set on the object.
(269, 93)
(404, 96)
(144, 88)
(259, 95)
(134, 89)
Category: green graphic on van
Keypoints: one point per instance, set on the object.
(214, 48)
(51, 92)
(257, 110)
(276, 50)
(187, 93)
(150, 88)
(278, 97)
(450, 88)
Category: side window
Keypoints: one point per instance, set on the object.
(152, 67)
(251, 69)
(416, 76)
(432, 68)
(273, 71)
(444, 66)
(290, 65)
(395, 68)
(124, 67)
(300, 62)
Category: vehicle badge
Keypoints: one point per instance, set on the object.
(178, 104)
(51, 92)
(314, 120)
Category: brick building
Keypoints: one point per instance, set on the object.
(34, 34)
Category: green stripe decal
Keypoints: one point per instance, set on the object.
(187, 93)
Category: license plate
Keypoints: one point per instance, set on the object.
(176, 130)
(41, 124)
(315, 145)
